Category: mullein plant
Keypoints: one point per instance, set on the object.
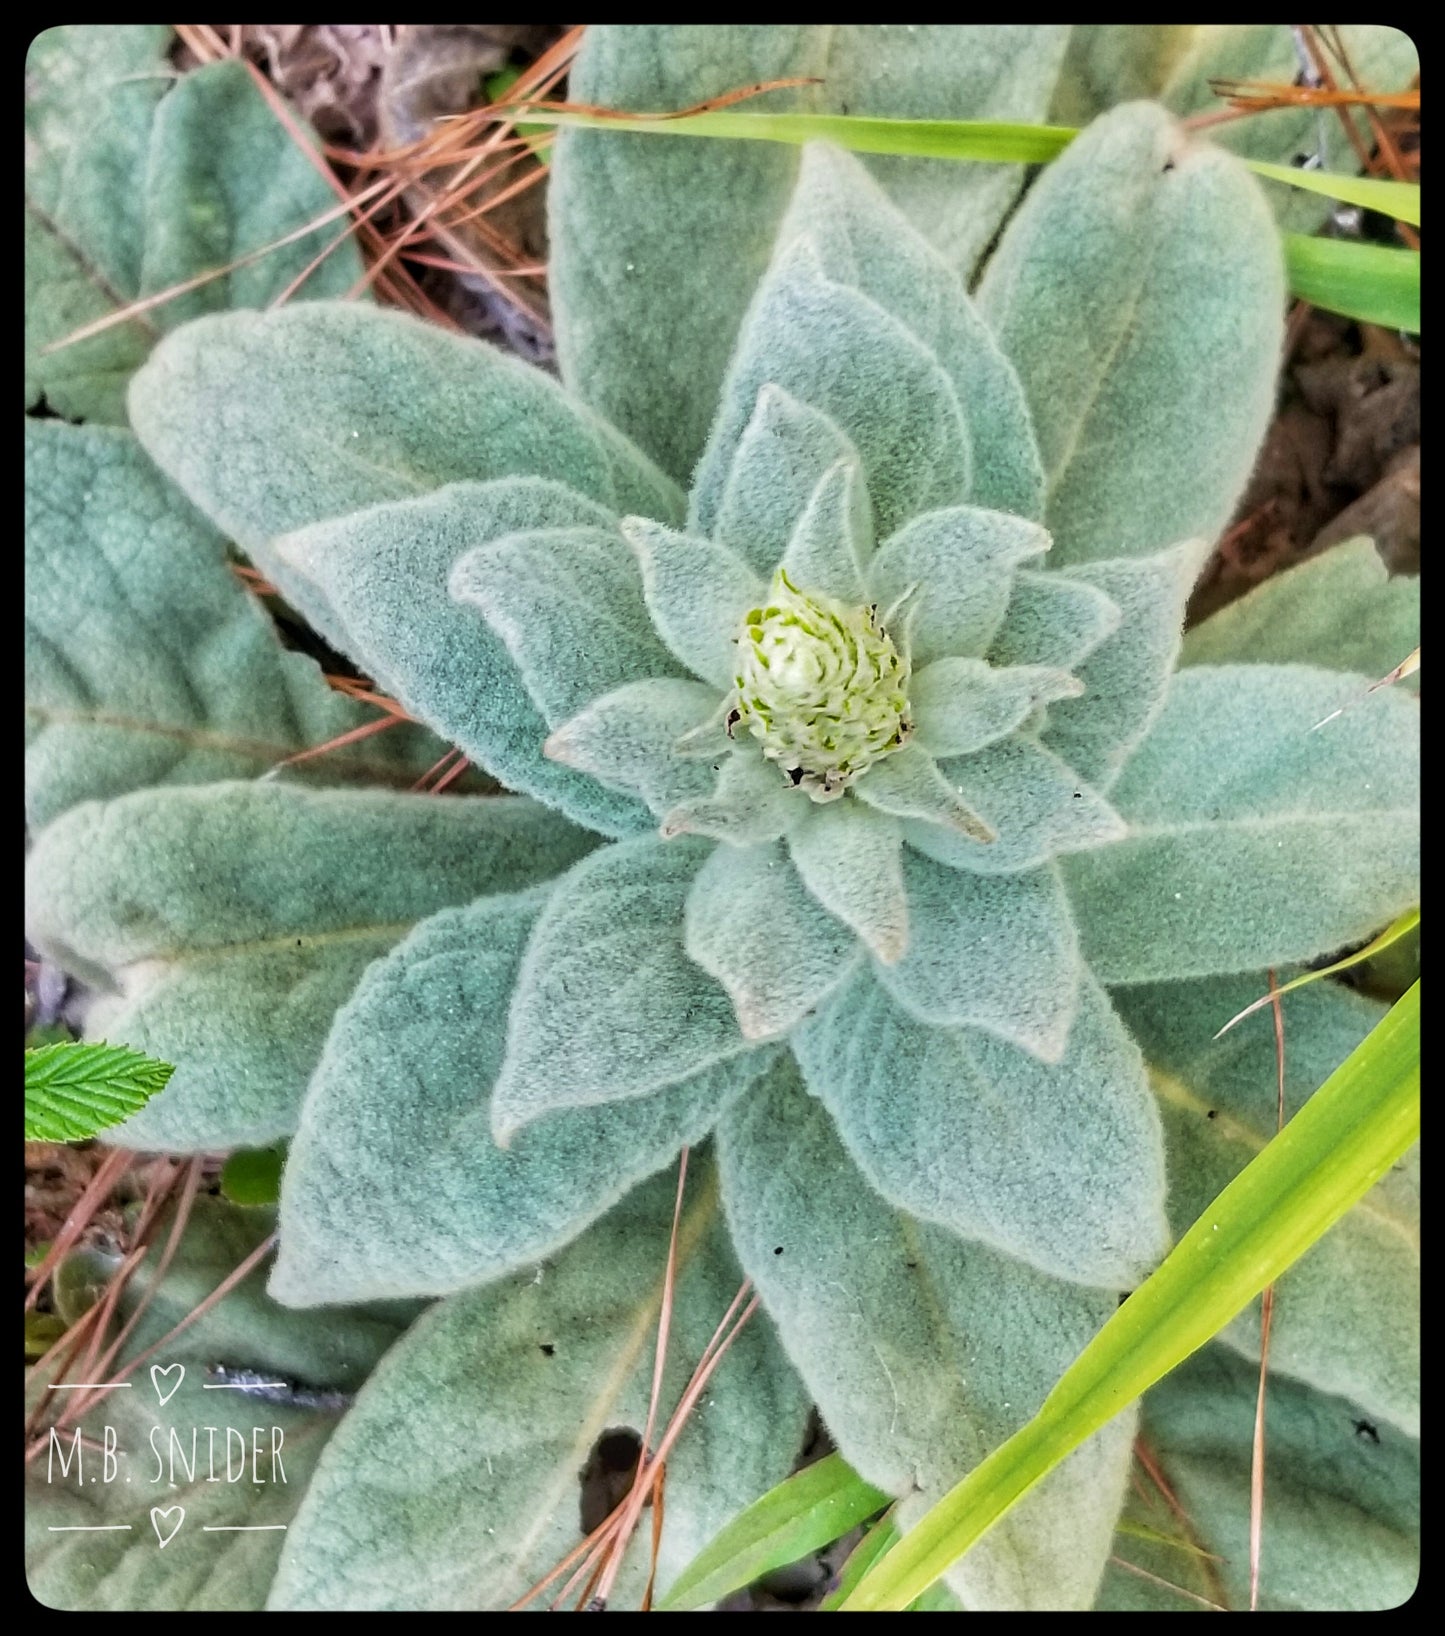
(871, 839)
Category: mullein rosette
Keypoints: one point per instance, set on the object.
(880, 777)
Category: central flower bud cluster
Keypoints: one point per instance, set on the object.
(821, 686)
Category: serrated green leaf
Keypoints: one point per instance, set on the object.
(515, 1383)
(313, 1367)
(1061, 1166)
(1139, 294)
(1347, 1314)
(921, 1350)
(804, 1513)
(1341, 1523)
(632, 340)
(1253, 838)
(397, 1113)
(607, 1005)
(1341, 609)
(139, 179)
(146, 662)
(74, 1091)
(226, 924)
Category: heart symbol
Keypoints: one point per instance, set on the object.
(158, 1517)
(158, 1374)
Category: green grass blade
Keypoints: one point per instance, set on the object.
(978, 139)
(810, 1510)
(1398, 199)
(73, 1091)
(970, 139)
(1366, 281)
(1361, 1121)
(880, 1539)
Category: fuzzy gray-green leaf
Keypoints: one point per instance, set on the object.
(629, 739)
(274, 421)
(138, 179)
(1061, 1166)
(697, 593)
(828, 345)
(146, 662)
(833, 536)
(226, 924)
(607, 1005)
(784, 452)
(959, 564)
(997, 952)
(632, 338)
(397, 1114)
(862, 240)
(1256, 836)
(1053, 620)
(1126, 676)
(923, 1351)
(1139, 292)
(851, 860)
(1035, 804)
(568, 604)
(386, 576)
(961, 705)
(509, 1387)
(751, 924)
(1340, 609)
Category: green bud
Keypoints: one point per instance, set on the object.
(821, 686)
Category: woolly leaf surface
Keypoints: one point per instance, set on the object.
(509, 1387)
(394, 1185)
(1139, 293)
(226, 924)
(1061, 1166)
(1255, 839)
(608, 1005)
(922, 1351)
